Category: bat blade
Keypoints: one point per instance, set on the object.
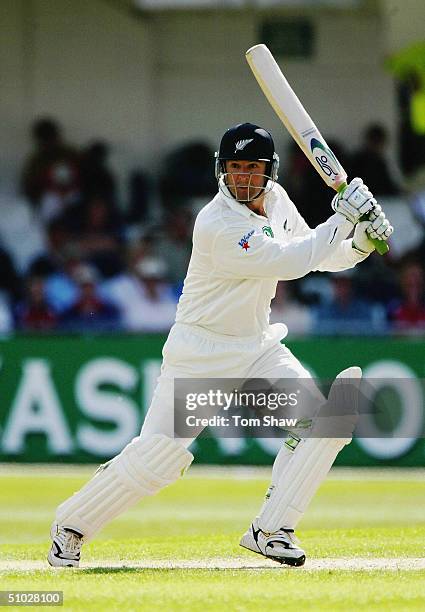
(294, 116)
(298, 122)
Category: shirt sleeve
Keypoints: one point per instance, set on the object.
(238, 253)
(343, 258)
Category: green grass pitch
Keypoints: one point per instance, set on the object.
(364, 536)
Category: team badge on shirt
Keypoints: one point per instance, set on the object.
(243, 242)
(267, 230)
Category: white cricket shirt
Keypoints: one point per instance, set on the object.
(238, 257)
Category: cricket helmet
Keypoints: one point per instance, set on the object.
(247, 141)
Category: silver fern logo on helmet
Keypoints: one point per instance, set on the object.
(241, 144)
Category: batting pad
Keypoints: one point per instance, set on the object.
(309, 465)
(142, 468)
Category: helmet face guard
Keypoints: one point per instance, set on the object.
(246, 141)
(246, 191)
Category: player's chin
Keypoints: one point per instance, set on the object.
(246, 194)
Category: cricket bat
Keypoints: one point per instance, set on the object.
(298, 122)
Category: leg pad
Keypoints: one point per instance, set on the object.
(143, 468)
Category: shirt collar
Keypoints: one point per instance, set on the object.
(270, 201)
(243, 210)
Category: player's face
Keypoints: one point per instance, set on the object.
(245, 179)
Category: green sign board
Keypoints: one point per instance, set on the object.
(74, 399)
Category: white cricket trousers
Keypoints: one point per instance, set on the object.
(191, 352)
(156, 459)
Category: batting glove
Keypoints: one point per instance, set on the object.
(355, 201)
(364, 230)
(379, 227)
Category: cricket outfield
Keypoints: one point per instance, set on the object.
(364, 537)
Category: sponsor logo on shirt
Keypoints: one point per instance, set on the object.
(267, 230)
(243, 242)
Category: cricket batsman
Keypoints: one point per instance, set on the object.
(245, 240)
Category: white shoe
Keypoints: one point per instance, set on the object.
(280, 546)
(66, 547)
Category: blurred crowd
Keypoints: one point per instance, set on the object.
(99, 264)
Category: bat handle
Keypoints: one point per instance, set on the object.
(380, 245)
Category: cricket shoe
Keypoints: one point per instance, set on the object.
(66, 547)
(280, 546)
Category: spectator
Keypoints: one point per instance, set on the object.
(371, 165)
(411, 131)
(145, 299)
(297, 167)
(57, 266)
(408, 66)
(307, 188)
(417, 205)
(34, 312)
(141, 193)
(175, 245)
(96, 178)
(188, 172)
(53, 257)
(346, 313)
(51, 174)
(10, 283)
(408, 314)
(98, 231)
(61, 288)
(376, 279)
(315, 288)
(22, 233)
(6, 316)
(90, 313)
(286, 309)
(10, 291)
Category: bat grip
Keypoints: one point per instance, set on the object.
(380, 245)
